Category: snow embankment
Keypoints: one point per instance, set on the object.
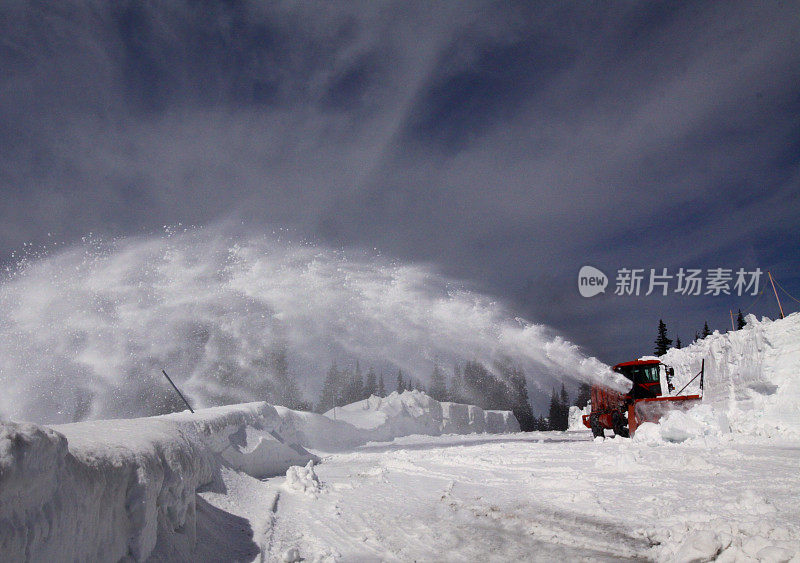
(751, 378)
(116, 489)
(575, 419)
(413, 412)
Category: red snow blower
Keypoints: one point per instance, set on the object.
(648, 400)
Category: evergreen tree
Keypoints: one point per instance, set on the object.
(503, 388)
(554, 412)
(740, 322)
(286, 392)
(479, 385)
(304, 406)
(331, 390)
(345, 386)
(543, 423)
(706, 331)
(401, 386)
(381, 387)
(455, 392)
(696, 336)
(354, 388)
(358, 383)
(584, 395)
(564, 400)
(678, 342)
(520, 403)
(662, 342)
(370, 386)
(438, 389)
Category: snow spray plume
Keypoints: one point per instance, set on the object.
(86, 331)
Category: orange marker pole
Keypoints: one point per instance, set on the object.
(776, 293)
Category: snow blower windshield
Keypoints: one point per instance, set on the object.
(639, 374)
(644, 377)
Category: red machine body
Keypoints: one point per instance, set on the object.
(646, 401)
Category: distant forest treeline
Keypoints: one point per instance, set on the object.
(470, 383)
(503, 387)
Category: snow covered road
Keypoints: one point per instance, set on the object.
(536, 496)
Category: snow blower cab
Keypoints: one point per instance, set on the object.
(649, 398)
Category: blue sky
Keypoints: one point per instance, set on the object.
(507, 144)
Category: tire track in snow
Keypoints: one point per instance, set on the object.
(390, 505)
(266, 543)
(542, 501)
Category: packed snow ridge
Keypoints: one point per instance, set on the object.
(751, 376)
(118, 489)
(750, 384)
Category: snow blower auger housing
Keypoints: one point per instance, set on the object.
(649, 398)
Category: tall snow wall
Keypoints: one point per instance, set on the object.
(109, 490)
(118, 489)
(752, 375)
(413, 412)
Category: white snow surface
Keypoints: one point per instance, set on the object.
(546, 496)
(115, 489)
(576, 417)
(105, 490)
(752, 376)
(303, 479)
(255, 482)
(414, 412)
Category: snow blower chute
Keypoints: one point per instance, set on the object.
(649, 398)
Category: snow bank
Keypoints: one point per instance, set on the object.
(455, 417)
(319, 432)
(676, 426)
(303, 480)
(576, 418)
(250, 437)
(746, 529)
(107, 500)
(500, 422)
(751, 376)
(477, 419)
(414, 412)
(115, 489)
(399, 414)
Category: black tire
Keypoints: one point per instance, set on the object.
(597, 430)
(620, 425)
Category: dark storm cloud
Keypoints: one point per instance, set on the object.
(509, 143)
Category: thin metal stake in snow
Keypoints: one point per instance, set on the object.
(177, 391)
(700, 374)
(776, 293)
